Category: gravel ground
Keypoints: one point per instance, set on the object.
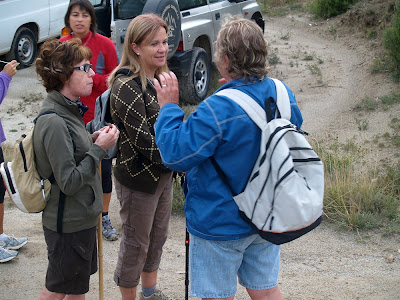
(324, 264)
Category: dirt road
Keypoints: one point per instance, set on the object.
(325, 264)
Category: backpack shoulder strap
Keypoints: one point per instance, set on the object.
(254, 110)
(61, 199)
(105, 94)
(124, 71)
(104, 98)
(248, 104)
(44, 113)
(128, 72)
(48, 112)
(282, 101)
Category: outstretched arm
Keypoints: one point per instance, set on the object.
(8, 72)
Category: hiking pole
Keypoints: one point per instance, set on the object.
(187, 241)
(100, 251)
(100, 247)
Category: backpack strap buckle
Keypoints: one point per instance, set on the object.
(43, 191)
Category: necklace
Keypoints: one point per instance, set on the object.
(151, 82)
(88, 36)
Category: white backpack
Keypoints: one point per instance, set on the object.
(284, 195)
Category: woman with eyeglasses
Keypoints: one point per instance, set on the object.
(65, 151)
(80, 19)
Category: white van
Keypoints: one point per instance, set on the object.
(25, 23)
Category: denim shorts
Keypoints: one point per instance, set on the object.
(216, 265)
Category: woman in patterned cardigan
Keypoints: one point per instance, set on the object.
(143, 184)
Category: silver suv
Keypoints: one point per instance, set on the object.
(193, 28)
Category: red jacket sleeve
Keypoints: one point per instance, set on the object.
(107, 61)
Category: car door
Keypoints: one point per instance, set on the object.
(123, 11)
(57, 11)
(102, 10)
(221, 8)
(196, 21)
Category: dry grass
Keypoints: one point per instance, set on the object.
(356, 200)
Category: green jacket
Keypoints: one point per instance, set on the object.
(63, 147)
(139, 163)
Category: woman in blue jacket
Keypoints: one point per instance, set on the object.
(223, 246)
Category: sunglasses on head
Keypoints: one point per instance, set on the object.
(85, 67)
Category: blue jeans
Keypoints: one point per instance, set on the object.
(216, 265)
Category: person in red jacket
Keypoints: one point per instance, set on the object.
(80, 19)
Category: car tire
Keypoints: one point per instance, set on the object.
(169, 11)
(24, 47)
(260, 22)
(194, 87)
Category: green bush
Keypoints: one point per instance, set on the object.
(280, 7)
(391, 40)
(330, 8)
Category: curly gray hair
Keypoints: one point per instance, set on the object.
(243, 42)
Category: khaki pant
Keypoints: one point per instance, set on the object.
(145, 219)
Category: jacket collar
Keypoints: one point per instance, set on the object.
(59, 99)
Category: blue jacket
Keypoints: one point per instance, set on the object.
(219, 128)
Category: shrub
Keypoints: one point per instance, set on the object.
(391, 40)
(359, 200)
(280, 7)
(330, 8)
(178, 200)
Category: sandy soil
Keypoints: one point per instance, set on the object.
(326, 263)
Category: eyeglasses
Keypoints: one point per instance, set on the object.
(85, 67)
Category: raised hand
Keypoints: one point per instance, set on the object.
(167, 88)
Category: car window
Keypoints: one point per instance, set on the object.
(188, 4)
(128, 9)
(214, 1)
(96, 2)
